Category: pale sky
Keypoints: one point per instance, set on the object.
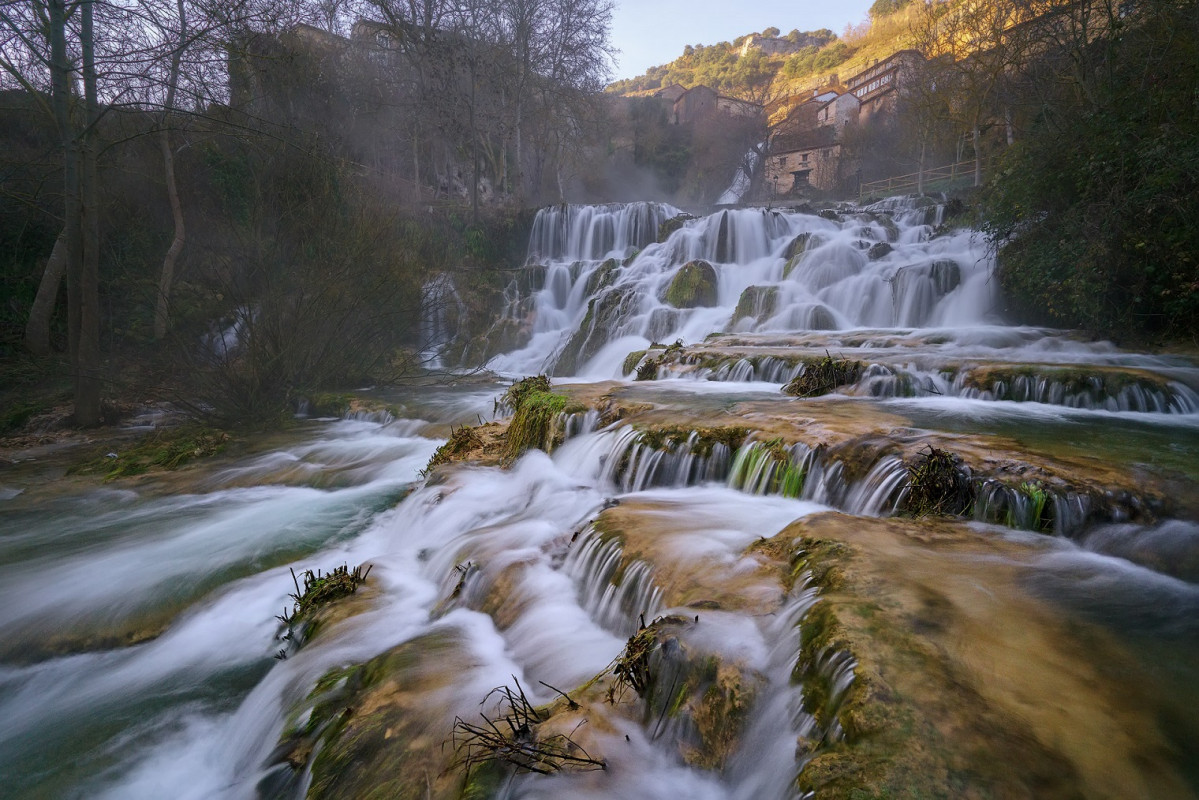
(651, 32)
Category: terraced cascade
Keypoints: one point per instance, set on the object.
(794, 515)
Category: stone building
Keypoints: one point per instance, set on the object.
(805, 149)
(700, 102)
(878, 86)
(803, 159)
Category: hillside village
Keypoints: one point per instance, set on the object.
(804, 142)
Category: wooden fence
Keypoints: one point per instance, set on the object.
(906, 184)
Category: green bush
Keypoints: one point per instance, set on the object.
(1093, 212)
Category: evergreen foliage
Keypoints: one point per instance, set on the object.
(1094, 209)
(722, 67)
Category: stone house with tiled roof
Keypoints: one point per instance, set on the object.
(877, 87)
(700, 102)
(805, 149)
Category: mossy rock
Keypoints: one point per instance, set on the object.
(798, 246)
(370, 734)
(604, 314)
(534, 418)
(648, 370)
(693, 286)
(673, 224)
(631, 361)
(879, 250)
(668, 437)
(602, 277)
(709, 698)
(758, 302)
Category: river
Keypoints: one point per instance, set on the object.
(141, 655)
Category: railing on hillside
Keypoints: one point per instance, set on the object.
(906, 184)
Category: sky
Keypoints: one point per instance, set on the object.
(651, 32)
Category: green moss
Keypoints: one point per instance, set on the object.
(15, 415)
(519, 390)
(536, 411)
(671, 225)
(167, 449)
(631, 361)
(648, 369)
(462, 441)
(366, 739)
(758, 302)
(321, 589)
(770, 466)
(693, 286)
(602, 277)
(327, 404)
(705, 438)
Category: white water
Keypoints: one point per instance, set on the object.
(834, 285)
(196, 710)
(743, 177)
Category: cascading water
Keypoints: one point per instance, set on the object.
(139, 631)
(768, 271)
(743, 177)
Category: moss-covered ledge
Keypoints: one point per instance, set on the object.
(959, 674)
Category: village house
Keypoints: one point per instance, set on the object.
(671, 93)
(805, 149)
(806, 144)
(700, 102)
(877, 87)
(802, 159)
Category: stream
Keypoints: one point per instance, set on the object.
(138, 620)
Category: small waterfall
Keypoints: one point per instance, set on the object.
(615, 598)
(743, 177)
(441, 309)
(575, 232)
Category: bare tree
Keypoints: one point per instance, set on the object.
(971, 46)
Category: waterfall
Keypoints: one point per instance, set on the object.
(441, 310)
(750, 270)
(743, 177)
(583, 232)
(765, 538)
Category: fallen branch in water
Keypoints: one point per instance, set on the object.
(513, 738)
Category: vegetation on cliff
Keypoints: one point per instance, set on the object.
(1093, 210)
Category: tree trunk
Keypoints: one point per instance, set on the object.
(415, 170)
(87, 367)
(920, 171)
(518, 155)
(60, 94)
(37, 328)
(162, 308)
(978, 159)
